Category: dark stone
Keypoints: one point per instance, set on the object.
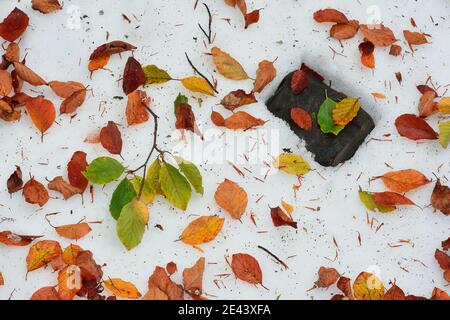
(329, 150)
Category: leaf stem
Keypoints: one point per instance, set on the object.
(200, 74)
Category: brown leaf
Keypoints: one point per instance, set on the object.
(330, 15)
(251, 18)
(367, 57)
(42, 113)
(247, 268)
(14, 25)
(242, 121)
(446, 244)
(415, 128)
(72, 103)
(327, 277)
(155, 294)
(237, 99)
(232, 198)
(90, 270)
(11, 239)
(35, 193)
(171, 268)
(344, 31)
(299, 81)
(63, 187)
(7, 112)
(414, 38)
(265, 75)
(12, 53)
(345, 285)
(439, 294)
(217, 119)
(391, 199)
(111, 138)
(161, 281)
(281, 219)
(74, 231)
(423, 88)
(394, 294)
(427, 106)
(133, 76)
(185, 117)
(6, 85)
(65, 89)
(441, 198)
(379, 35)
(15, 182)
(193, 279)
(75, 168)
(28, 75)
(136, 111)
(395, 50)
(111, 48)
(404, 181)
(301, 118)
(45, 294)
(46, 6)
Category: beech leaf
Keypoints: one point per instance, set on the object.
(42, 253)
(122, 196)
(292, 164)
(202, 230)
(232, 198)
(155, 75)
(131, 223)
(228, 66)
(265, 75)
(415, 128)
(325, 118)
(111, 138)
(122, 288)
(368, 287)
(198, 85)
(175, 186)
(192, 173)
(35, 193)
(104, 170)
(246, 268)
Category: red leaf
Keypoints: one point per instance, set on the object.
(312, 72)
(246, 268)
(185, 117)
(15, 182)
(251, 18)
(14, 25)
(136, 111)
(391, 199)
(299, 81)
(367, 57)
(344, 284)
(237, 99)
(330, 15)
(111, 138)
(301, 118)
(110, 48)
(35, 193)
(11, 239)
(281, 219)
(443, 259)
(441, 198)
(424, 89)
(217, 119)
(75, 168)
(133, 76)
(344, 31)
(446, 244)
(394, 294)
(46, 294)
(415, 128)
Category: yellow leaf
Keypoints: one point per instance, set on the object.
(199, 85)
(288, 207)
(292, 164)
(444, 105)
(346, 111)
(42, 253)
(228, 66)
(444, 134)
(202, 230)
(122, 288)
(368, 287)
(148, 194)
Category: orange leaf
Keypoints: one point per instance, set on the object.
(301, 118)
(441, 198)
(28, 75)
(327, 277)
(367, 57)
(344, 31)
(265, 75)
(5, 83)
(414, 38)
(237, 99)
(70, 254)
(136, 111)
(65, 89)
(46, 6)
(427, 106)
(14, 25)
(122, 288)
(202, 230)
(394, 294)
(66, 189)
(404, 181)
(379, 35)
(232, 198)
(330, 15)
(217, 119)
(46, 294)
(35, 193)
(251, 18)
(391, 199)
(242, 121)
(42, 113)
(42, 253)
(98, 63)
(228, 66)
(74, 231)
(72, 103)
(69, 282)
(247, 268)
(193, 279)
(11, 239)
(111, 138)
(160, 286)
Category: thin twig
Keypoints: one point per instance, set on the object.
(200, 74)
(274, 256)
(209, 33)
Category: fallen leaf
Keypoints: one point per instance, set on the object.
(228, 66)
(427, 106)
(193, 279)
(444, 134)
(42, 113)
(15, 182)
(42, 253)
(104, 170)
(345, 111)
(122, 288)
(443, 259)
(45, 294)
(251, 18)
(368, 287)
(28, 75)
(35, 193)
(202, 230)
(344, 31)
(75, 168)
(232, 198)
(98, 63)
(111, 138)
(415, 128)
(301, 118)
(444, 105)
(46, 6)
(394, 294)
(246, 268)
(111, 48)
(12, 53)
(439, 294)
(74, 231)
(6, 85)
(292, 164)
(344, 284)
(160, 286)
(133, 76)
(137, 105)
(265, 75)
(281, 219)
(391, 199)
(330, 15)
(185, 117)
(404, 181)
(171, 268)
(237, 99)
(367, 57)
(441, 198)
(327, 277)
(395, 50)
(369, 202)
(198, 85)
(217, 119)
(11, 239)
(14, 25)
(132, 222)
(72, 103)
(378, 34)
(63, 187)
(70, 254)
(69, 282)
(414, 38)
(242, 121)
(299, 81)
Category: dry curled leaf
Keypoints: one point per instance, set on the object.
(72, 103)
(98, 63)
(414, 38)
(111, 138)
(228, 66)
(15, 182)
(367, 57)
(281, 219)
(427, 106)
(246, 268)
(414, 128)
(251, 18)
(42, 253)
(301, 118)
(111, 48)
(378, 34)
(6, 83)
(66, 189)
(344, 284)
(46, 6)
(162, 288)
(171, 268)
(11, 239)
(237, 99)
(193, 279)
(122, 288)
(7, 112)
(232, 198)
(441, 198)
(14, 25)
(404, 181)
(327, 277)
(395, 50)
(35, 193)
(136, 111)
(217, 119)
(265, 75)
(28, 75)
(439, 294)
(202, 230)
(133, 76)
(185, 117)
(69, 282)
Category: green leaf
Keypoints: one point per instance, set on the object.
(122, 196)
(192, 173)
(153, 177)
(369, 202)
(131, 223)
(147, 193)
(444, 134)
(155, 75)
(180, 100)
(175, 186)
(104, 170)
(325, 118)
